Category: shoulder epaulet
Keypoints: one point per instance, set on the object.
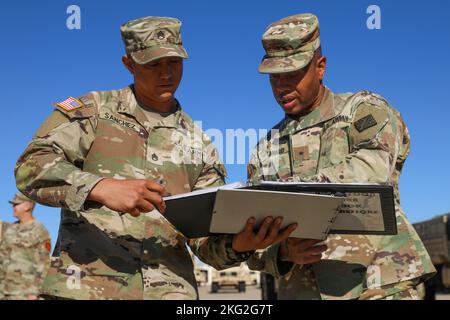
(43, 232)
(370, 98)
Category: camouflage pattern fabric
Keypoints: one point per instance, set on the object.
(349, 138)
(3, 226)
(25, 249)
(150, 38)
(103, 254)
(290, 43)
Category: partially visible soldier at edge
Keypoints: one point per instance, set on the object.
(24, 253)
(337, 138)
(106, 159)
(3, 227)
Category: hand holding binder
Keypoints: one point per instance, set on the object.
(268, 233)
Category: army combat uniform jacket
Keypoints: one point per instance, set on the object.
(3, 227)
(349, 138)
(103, 254)
(25, 249)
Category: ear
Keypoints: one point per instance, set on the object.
(30, 206)
(128, 63)
(321, 65)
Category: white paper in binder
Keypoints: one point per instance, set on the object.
(314, 214)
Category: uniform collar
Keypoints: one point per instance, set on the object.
(173, 120)
(128, 105)
(27, 225)
(324, 112)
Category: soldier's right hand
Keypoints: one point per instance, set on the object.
(129, 196)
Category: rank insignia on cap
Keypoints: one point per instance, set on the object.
(160, 35)
(69, 104)
(365, 123)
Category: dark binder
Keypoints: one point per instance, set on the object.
(192, 214)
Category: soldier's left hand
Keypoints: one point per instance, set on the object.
(269, 233)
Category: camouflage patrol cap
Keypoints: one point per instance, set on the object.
(151, 38)
(20, 198)
(290, 43)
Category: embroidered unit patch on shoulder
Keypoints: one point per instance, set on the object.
(69, 104)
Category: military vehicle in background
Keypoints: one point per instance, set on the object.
(269, 287)
(201, 276)
(236, 277)
(435, 235)
(253, 278)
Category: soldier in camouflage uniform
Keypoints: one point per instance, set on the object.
(3, 227)
(108, 158)
(25, 253)
(337, 138)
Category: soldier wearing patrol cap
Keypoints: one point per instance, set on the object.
(108, 159)
(337, 138)
(24, 253)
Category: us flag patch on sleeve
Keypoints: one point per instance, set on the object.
(69, 104)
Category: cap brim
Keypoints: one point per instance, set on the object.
(286, 64)
(15, 203)
(151, 54)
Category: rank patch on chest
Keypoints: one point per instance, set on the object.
(365, 123)
(302, 153)
(69, 104)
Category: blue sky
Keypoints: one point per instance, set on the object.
(43, 62)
